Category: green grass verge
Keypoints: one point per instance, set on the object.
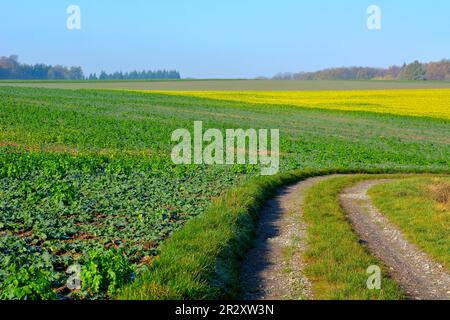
(336, 261)
(412, 206)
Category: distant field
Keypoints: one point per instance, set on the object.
(429, 103)
(235, 85)
(98, 121)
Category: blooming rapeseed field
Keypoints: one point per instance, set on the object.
(423, 103)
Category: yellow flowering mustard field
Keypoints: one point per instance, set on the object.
(423, 102)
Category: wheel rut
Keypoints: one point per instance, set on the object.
(419, 276)
(273, 269)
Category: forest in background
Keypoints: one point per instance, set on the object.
(12, 69)
(437, 71)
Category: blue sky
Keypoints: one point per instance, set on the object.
(227, 38)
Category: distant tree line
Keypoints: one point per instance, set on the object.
(134, 75)
(12, 69)
(414, 71)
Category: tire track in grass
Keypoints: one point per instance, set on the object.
(414, 270)
(273, 269)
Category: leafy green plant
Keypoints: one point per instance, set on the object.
(27, 283)
(104, 272)
(63, 193)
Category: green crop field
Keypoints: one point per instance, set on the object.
(86, 174)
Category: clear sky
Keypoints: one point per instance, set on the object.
(224, 38)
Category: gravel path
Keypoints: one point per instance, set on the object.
(273, 268)
(417, 274)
